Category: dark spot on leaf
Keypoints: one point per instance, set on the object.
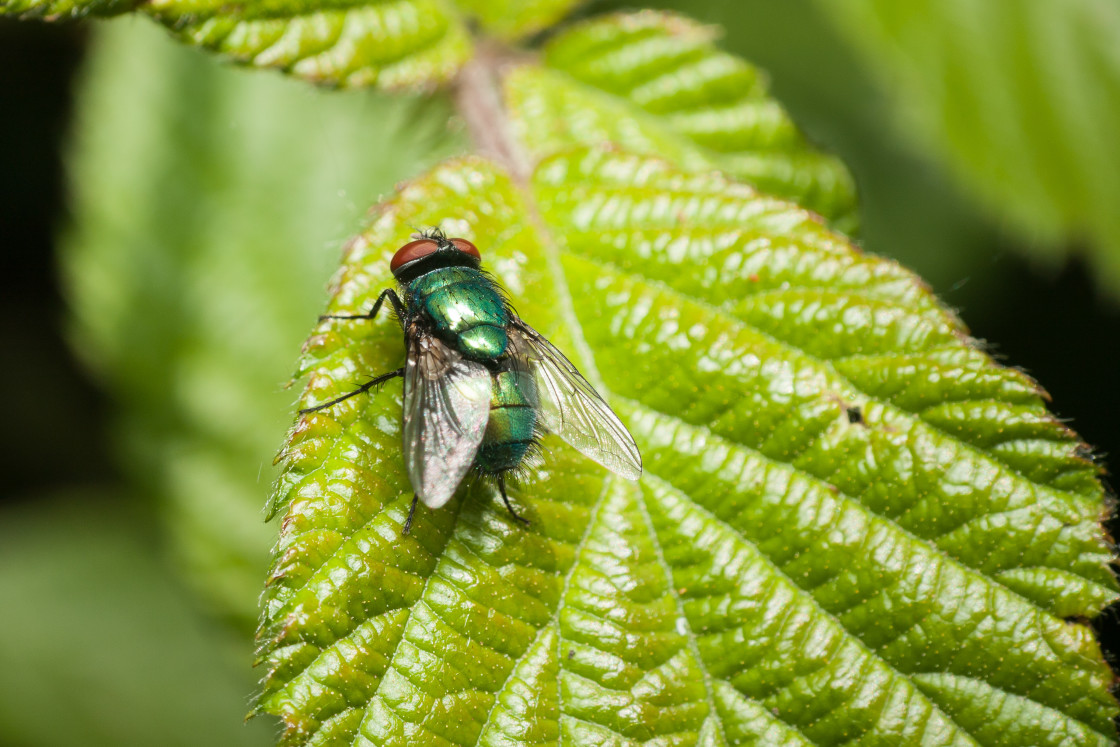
(855, 415)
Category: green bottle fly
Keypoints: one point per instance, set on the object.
(480, 385)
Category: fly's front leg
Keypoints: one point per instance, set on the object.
(388, 293)
(363, 388)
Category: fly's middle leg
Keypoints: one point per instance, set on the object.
(363, 388)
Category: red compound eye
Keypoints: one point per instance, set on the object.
(467, 247)
(413, 250)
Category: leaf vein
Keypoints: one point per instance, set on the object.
(807, 597)
(690, 635)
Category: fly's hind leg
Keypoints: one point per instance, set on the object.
(363, 388)
(505, 499)
(411, 512)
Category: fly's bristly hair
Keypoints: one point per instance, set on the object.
(500, 289)
(435, 233)
(530, 463)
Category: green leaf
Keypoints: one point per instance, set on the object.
(100, 643)
(1020, 98)
(389, 44)
(853, 525)
(56, 10)
(655, 83)
(393, 45)
(209, 208)
(509, 19)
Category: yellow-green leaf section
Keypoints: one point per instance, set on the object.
(853, 526)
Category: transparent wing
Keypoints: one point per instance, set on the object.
(572, 409)
(446, 406)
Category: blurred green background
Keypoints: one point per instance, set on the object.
(170, 225)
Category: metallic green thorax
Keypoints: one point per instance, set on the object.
(466, 310)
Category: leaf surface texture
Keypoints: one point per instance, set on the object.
(835, 540)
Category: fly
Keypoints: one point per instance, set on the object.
(480, 385)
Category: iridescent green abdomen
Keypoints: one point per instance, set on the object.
(513, 419)
(466, 308)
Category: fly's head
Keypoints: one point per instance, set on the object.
(431, 249)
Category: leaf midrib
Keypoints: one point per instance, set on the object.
(690, 634)
(553, 253)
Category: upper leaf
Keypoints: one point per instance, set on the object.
(1020, 99)
(509, 19)
(397, 44)
(655, 83)
(390, 44)
(852, 524)
(53, 10)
